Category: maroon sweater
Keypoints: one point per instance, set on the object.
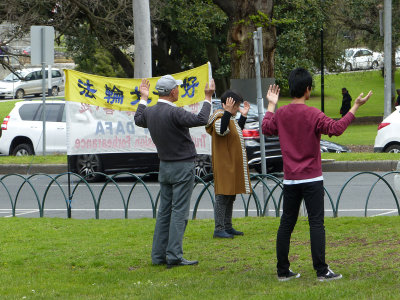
(299, 128)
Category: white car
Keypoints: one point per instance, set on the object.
(388, 136)
(21, 131)
(397, 56)
(29, 82)
(361, 58)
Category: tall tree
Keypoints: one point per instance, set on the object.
(244, 18)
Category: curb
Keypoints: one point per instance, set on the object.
(360, 166)
(33, 169)
(327, 166)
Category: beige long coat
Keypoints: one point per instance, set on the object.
(229, 159)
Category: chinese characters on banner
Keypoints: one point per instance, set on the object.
(100, 112)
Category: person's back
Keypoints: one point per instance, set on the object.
(169, 129)
(299, 128)
(299, 139)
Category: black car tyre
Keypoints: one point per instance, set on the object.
(19, 94)
(54, 91)
(87, 164)
(393, 149)
(348, 67)
(203, 166)
(23, 150)
(375, 65)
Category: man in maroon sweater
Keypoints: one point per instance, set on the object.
(299, 128)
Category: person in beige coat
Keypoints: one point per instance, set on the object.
(229, 160)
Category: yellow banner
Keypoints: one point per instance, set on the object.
(123, 93)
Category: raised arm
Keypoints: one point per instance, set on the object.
(140, 119)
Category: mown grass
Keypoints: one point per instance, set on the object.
(110, 259)
(364, 156)
(356, 83)
(355, 135)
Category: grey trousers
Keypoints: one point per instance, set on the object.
(176, 187)
(223, 208)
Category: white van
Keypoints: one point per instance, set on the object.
(29, 82)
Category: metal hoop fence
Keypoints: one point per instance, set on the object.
(267, 192)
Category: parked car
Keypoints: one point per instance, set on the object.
(21, 134)
(388, 136)
(361, 58)
(29, 82)
(397, 56)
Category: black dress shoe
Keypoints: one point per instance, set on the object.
(234, 231)
(181, 262)
(222, 235)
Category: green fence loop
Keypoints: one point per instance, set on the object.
(83, 180)
(138, 179)
(9, 196)
(19, 190)
(356, 175)
(47, 189)
(373, 186)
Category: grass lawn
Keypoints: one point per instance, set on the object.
(355, 135)
(110, 259)
(356, 83)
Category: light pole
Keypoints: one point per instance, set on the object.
(322, 63)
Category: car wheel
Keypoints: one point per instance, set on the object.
(87, 164)
(375, 65)
(348, 67)
(54, 91)
(23, 150)
(203, 166)
(19, 94)
(393, 149)
(2, 97)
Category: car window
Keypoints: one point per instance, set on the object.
(30, 76)
(54, 112)
(366, 53)
(28, 112)
(55, 73)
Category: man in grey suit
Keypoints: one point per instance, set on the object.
(169, 129)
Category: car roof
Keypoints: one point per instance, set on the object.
(36, 69)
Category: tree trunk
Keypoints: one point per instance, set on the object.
(240, 36)
(123, 60)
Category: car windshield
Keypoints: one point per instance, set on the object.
(13, 77)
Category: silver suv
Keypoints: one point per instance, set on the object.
(29, 82)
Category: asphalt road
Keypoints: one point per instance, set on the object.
(110, 200)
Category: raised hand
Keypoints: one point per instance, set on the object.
(209, 89)
(228, 105)
(273, 94)
(245, 110)
(144, 89)
(362, 100)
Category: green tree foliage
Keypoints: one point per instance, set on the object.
(298, 37)
(89, 56)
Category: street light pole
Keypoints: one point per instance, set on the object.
(322, 71)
